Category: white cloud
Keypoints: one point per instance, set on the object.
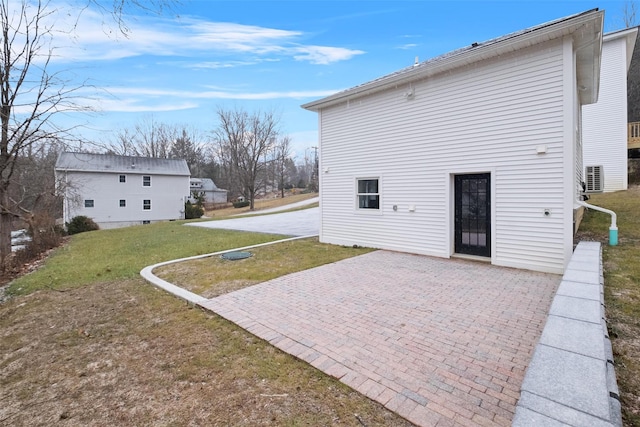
(124, 99)
(408, 46)
(91, 38)
(323, 54)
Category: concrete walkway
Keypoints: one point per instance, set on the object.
(571, 378)
(440, 342)
(304, 222)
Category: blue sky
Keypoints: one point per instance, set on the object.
(180, 67)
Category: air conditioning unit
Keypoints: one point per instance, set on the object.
(594, 179)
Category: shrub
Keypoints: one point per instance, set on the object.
(242, 204)
(192, 211)
(80, 224)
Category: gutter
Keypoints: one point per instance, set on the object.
(613, 229)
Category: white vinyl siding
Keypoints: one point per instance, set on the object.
(487, 118)
(167, 195)
(605, 123)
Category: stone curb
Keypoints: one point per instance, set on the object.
(571, 379)
(190, 297)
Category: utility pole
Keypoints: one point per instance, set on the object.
(315, 177)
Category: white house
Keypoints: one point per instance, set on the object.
(208, 188)
(118, 191)
(475, 153)
(605, 122)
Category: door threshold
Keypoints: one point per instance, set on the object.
(472, 257)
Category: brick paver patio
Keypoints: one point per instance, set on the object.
(440, 342)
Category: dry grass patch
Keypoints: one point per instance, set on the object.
(215, 276)
(260, 204)
(124, 353)
(622, 289)
(85, 341)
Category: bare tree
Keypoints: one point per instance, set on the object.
(630, 13)
(282, 153)
(148, 138)
(630, 19)
(118, 9)
(242, 140)
(30, 97)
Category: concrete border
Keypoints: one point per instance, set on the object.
(571, 379)
(190, 297)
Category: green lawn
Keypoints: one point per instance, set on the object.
(107, 255)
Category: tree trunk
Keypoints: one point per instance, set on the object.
(6, 221)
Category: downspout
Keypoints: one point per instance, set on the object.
(613, 229)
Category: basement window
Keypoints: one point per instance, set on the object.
(368, 194)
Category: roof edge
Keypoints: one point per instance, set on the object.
(460, 57)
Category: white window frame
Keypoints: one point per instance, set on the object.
(144, 204)
(89, 201)
(122, 203)
(122, 178)
(144, 182)
(359, 194)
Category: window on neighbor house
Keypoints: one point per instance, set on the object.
(368, 194)
(88, 203)
(123, 203)
(146, 205)
(146, 181)
(123, 178)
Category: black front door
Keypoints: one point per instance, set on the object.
(473, 214)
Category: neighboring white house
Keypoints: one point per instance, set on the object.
(206, 186)
(118, 191)
(605, 122)
(475, 153)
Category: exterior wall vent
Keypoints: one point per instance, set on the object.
(594, 177)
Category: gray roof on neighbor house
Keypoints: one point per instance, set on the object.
(121, 164)
(585, 28)
(206, 184)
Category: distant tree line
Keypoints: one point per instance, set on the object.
(245, 153)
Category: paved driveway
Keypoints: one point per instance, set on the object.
(304, 222)
(441, 342)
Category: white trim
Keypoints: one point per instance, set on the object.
(569, 144)
(367, 211)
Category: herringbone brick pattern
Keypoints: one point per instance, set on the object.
(440, 342)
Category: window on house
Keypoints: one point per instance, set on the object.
(88, 203)
(123, 203)
(146, 205)
(146, 181)
(146, 221)
(368, 194)
(123, 178)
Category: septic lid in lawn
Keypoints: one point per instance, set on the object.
(233, 256)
